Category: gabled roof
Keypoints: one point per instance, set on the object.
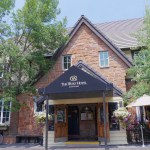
(104, 38)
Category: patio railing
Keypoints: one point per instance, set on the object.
(134, 135)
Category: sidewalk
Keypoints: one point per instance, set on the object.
(71, 147)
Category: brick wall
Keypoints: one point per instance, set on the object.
(27, 124)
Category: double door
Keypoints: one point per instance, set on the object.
(67, 125)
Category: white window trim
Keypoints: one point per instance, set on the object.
(2, 74)
(100, 60)
(63, 62)
(1, 120)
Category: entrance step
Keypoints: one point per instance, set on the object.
(117, 138)
(82, 143)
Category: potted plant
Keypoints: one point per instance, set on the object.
(121, 114)
(4, 126)
(40, 118)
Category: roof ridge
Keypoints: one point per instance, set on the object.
(118, 21)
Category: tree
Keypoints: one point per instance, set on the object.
(140, 72)
(5, 7)
(34, 32)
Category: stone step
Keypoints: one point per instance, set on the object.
(118, 132)
(50, 144)
(118, 137)
(115, 142)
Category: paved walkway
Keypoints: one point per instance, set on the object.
(38, 147)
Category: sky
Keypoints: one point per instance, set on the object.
(98, 11)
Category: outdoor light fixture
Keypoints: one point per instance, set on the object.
(86, 109)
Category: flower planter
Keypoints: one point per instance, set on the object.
(122, 125)
(3, 128)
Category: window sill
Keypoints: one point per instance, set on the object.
(104, 67)
(64, 70)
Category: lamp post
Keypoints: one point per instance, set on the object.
(105, 118)
(46, 128)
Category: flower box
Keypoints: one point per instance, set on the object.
(3, 128)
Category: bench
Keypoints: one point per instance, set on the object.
(29, 139)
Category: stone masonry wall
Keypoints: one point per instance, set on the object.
(85, 46)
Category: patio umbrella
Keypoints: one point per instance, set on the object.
(142, 101)
(130, 105)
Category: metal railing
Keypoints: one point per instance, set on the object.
(134, 135)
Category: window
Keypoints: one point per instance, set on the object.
(135, 53)
(1, 72)
(38, 107)
(104, 59)
(66, 62)
(5, 112)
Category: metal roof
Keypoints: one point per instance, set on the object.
(121, 32)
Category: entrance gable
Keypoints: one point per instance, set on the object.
(75, 83)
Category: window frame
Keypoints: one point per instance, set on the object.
(67, 62)
(1, 73)
(134, 53)
(103, 59)
(2, 110)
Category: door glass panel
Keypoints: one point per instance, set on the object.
(61, 115)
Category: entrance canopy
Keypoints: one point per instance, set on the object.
(76, 83)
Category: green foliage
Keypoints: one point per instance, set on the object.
(5, 7)
(34, 32)
(140, 72)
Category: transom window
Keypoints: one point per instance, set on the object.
(104, 59)
(5, 112)
(66, 62)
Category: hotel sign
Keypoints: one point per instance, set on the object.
(73, 82)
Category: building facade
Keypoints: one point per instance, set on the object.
(95, 56)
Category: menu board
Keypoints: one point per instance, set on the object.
(87, 116)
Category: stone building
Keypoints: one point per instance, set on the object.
(96, 57)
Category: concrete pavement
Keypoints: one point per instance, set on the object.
(71, 147)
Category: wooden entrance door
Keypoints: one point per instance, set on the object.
(100, 121)
(61, 123)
